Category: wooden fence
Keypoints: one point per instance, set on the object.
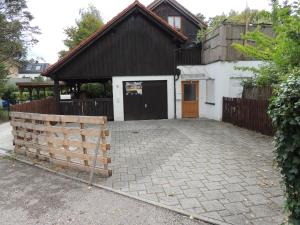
(45, 106)
(70, 141)
(248, 113)
(88, 107)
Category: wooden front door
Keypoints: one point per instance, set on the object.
(190, 96)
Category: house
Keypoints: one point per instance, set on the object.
(32, 70)
(218, 75)
(156, 67)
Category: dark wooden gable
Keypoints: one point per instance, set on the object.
(190, 24)
(135, 45)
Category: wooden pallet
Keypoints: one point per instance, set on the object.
(69, 141)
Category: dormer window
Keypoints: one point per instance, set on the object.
(175, 21)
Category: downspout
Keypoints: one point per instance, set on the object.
(176, 78)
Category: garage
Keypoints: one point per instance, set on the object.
(145, 100)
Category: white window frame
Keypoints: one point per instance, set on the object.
(210, 92)
(175, 21)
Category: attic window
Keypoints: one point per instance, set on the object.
(28, 67)
(175, 21)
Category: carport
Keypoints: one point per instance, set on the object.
(135, 50)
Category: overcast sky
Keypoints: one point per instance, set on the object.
(53, 16)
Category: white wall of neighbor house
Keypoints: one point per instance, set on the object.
(227, 83)
(117, 83)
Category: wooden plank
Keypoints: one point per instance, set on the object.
(104, 142)
(28, 126)
(30, 144)
(83, 140)
(79, 155)
(74, 130)
(50, 144)
(78, 144)
(99, 120)
(66, 147)
(82, 168)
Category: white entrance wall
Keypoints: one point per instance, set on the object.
(117, 83)
(227, 81)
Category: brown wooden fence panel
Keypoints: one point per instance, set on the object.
(45, 106)
(248, 113)
(88, 107)
(71, 141)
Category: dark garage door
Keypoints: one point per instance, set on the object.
(145, 100)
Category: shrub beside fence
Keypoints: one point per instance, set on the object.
(248, 113)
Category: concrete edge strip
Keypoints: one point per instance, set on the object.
(182, 212)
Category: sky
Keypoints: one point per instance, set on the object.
(52, 16)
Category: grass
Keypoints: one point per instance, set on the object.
(4, 115)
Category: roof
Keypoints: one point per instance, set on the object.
(33, 68)
(180, 8)
(108, 26)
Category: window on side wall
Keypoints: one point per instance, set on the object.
(210, 92)
(175, 21)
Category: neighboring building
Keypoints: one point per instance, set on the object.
(155, 66)
(32, 70)
(12, 69)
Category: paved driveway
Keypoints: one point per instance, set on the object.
(204, 167)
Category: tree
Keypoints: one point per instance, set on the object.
(16, 35)
(282, 52)
(250, 16)
(201, 17)
(281, 69)
(90, 21)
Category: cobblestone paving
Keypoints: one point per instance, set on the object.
(200, 166)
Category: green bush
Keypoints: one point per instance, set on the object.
(97, 90)
(285, 113)
(4, 115)
(10, 92)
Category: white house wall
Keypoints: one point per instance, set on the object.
(227, 84)
(117, 83)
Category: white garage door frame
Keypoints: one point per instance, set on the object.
(118, 101)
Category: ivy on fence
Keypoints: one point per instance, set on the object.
(285, 113)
